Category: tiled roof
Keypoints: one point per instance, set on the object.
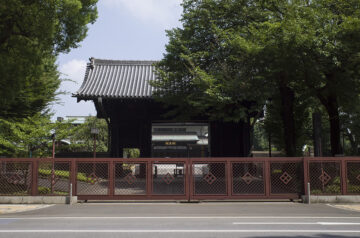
(117, 79)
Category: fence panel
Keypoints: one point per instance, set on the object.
(168, 178)
(248, 178)
(286, 178)
(92, 178)
(15, 178)
(180, 179)
(353, 177)
(325, 177)
(130, 179)
(209, 178)
(53, 178)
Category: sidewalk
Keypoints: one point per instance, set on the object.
(5, 209)
(352, 207)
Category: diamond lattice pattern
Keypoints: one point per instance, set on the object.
(168, 178)
(209, 178)
(248, 178)
(324, 177)
(130, 178)
(285, 178)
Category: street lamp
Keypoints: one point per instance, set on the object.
(94, 131)
(53, 136)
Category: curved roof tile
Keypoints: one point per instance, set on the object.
(117, 79)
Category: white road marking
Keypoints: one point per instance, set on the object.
(338, 223)
(174, 217)
(298, 223)
(179, 231)
(275, 223)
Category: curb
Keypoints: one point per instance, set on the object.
(38, 200)
(332, 199)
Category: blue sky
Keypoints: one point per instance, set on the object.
(124, 30)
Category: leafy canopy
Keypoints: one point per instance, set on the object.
(31, 135)
(32, 33)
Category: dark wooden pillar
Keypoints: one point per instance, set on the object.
(145, 139)
(229, 139)
(131, 134)
(116, 150)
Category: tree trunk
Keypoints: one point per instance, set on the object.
(317, 134)
(335, 131)
(331, 105)
(328, 99)
(287, 115)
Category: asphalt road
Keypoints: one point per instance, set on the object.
(183, 220)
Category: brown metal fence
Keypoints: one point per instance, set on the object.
(180, 178)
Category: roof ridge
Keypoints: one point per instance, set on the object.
(122, 62)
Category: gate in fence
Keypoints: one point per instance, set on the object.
(180, 178)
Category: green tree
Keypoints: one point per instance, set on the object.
(37, 93)
(330, 58)
(200, 72)
(231, 57)
(32, 33)
(83, 140)
(31, 136)
(351, 129)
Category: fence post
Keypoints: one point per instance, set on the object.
(190, 177)
(308, 194)
(343, 176)
(306, 175)
(73, 177)
(70, 195)
(228, 178)
(111, 177)
(34, 177)
(149, 178)
(267, 178)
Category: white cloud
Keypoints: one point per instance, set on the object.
(161, 12)
(75, 71)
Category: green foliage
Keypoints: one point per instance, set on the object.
(334, 187)
(44, 190)
(207, 68)
(32, 34)
(83, 140)
(62, 174)
(330, 58)
(12, 189)
(355, 189)
(131, 152)
(31, 135)
(230, 58)
(36, 93)
(261, 140)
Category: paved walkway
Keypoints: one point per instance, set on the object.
(15, 208)
(6, 209)
(183, 220)
(353, 207)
